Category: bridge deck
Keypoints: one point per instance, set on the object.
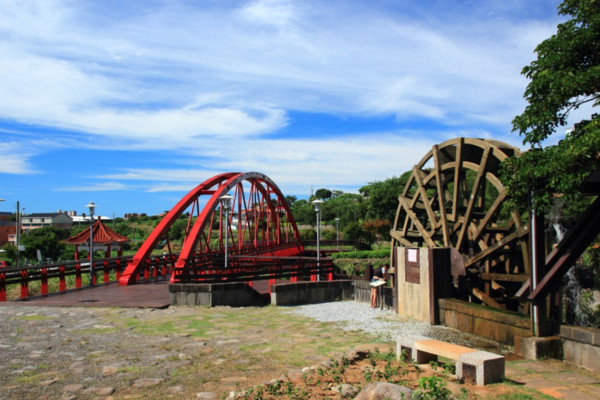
(149, 295)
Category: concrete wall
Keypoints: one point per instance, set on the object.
(423, 275)
(413, 298)
(581, 346)
(502, 326)
(236, 294)
(289, 294)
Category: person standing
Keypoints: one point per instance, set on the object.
(378, 280)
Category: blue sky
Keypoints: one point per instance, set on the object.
(131, 104)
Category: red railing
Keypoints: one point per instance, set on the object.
(106, 270)
(248, 264)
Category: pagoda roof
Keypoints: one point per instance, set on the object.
(102, 235)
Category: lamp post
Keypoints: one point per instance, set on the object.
(91, 206)
(317, 204)
(337, 233)
(18, 233)
(226, 204)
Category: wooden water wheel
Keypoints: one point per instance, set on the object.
(454, 198)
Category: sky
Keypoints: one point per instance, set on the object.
(131, 104)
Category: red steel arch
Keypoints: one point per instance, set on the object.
(265, 224)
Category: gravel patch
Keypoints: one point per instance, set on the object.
(386, 325)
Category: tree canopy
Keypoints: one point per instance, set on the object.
(383, 197)
(564, 77)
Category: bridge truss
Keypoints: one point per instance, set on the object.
(259, 230)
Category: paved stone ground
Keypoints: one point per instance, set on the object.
(555, 378)
(184, 352)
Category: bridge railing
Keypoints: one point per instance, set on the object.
(67, 275)
(334, 244)
(248, 268)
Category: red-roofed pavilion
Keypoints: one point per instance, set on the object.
(103, 235)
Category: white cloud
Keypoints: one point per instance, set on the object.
(96, 187)
(181, 71)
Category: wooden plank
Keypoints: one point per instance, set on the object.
(520, 232)
(417, 223)
(426, 201)
(457, 168)
(486, 299)
(488, 216)
(443, 349)
(441, 195)
(505, 277)
(399, 237)
(468, 214)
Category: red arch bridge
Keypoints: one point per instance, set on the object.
(237, 227)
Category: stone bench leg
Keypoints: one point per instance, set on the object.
(406, 344)
(485, 366)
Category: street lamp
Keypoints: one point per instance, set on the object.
(91, 206)
(337, 233)
(317, 204)
(18, 233)
(226, 204)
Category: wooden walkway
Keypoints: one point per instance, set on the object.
(145, 295)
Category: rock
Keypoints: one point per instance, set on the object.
(175, 389)
(357, 354)
(227, 342)
(295, 375)
(177, 364)
(109, 370)
(146, 382)
(105, 391)
(346, 390)
(206, 395)
(384, 390)
(76, 387)
(49, 382)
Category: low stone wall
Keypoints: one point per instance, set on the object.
(362, 293)
(290, 294)
(499, 325)
(237, 294)
(581, 346)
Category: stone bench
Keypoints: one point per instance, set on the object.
(481, 367)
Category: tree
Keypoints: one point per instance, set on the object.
(291, 200)
(378, 228)
(383, 197)
(323, 194)
(564, 77)
(48, 239)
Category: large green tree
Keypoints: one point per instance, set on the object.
(564, 77)
(383, 197)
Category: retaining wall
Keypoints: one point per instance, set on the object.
(290, 294)
(499, 325)
(581, 346)
(237, 294)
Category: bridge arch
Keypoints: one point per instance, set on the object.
(265, 224)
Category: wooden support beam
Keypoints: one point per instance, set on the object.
(486, 299)
(468, 213)
(505, 277)
(441, 195)
(507, 239)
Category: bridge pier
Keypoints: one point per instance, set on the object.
(234, 294)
